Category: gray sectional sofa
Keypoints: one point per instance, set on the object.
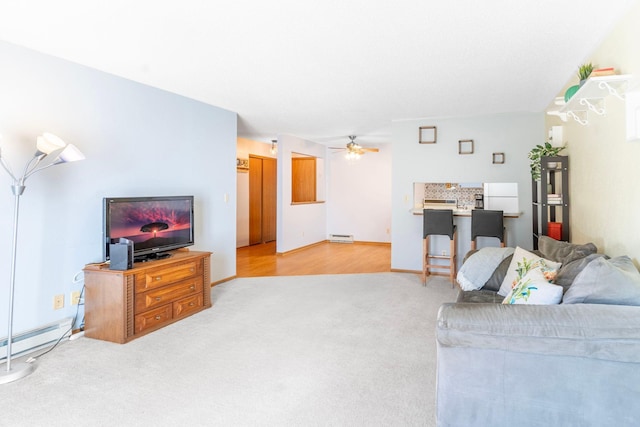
(576, 363)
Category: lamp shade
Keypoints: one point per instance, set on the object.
(48, 143)
(69, 154)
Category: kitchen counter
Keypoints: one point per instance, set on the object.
(467, 212)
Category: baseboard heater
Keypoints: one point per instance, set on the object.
(35, 339)
(341, 238)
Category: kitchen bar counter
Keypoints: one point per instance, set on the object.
(462, 219)
(467, 212)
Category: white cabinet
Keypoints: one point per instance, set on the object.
(501, 189)
(470, 185)
(501, 196)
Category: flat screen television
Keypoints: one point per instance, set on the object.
(156, 225)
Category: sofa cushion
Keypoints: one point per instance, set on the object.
(606, 281)
(563, 252)
(534, 288)
(479, 296)
(522, 262)
(568, 272)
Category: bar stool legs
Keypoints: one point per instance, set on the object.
(427, 266)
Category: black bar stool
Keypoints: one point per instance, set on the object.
(438, 222)
(487, 223)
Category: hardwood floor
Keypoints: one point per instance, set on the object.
(324, 258)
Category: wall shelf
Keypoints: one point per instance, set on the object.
(590, 98)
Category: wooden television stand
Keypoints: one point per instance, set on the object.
(123, 305)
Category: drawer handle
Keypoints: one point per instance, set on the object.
(158, 277)
(158, 298)
(158, 317)
(193, 287)
(191, 304)
(192, 269)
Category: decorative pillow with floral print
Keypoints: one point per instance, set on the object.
(534, 287)
(523, 265)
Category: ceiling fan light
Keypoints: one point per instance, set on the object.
(352, 155)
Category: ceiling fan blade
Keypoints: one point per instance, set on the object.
(373, 150)
(337, 148)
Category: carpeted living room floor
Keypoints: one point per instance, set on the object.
(338, 350)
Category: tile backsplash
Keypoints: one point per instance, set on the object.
(450, 190)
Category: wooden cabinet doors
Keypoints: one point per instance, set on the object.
(303, 179)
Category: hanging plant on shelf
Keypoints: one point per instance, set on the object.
(537, 153)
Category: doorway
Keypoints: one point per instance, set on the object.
(262, 199)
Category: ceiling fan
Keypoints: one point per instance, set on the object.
(355, 150)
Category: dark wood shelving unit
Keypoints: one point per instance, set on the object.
(550, 198)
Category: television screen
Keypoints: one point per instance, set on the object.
(154, 224)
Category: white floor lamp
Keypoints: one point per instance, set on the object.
(51, 147)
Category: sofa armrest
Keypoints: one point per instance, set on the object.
(606, 332)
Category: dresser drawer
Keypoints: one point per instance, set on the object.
(167, 294)
(153, 318)
(187, 305)
(154, 278)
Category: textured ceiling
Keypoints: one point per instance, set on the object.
(325, 69)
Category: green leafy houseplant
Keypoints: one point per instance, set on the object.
(585, 71)
(537, 153)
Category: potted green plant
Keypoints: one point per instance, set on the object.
(537, 153)
(584, 72)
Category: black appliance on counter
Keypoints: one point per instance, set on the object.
(479, 201)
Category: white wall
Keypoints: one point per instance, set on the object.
(604, 172)
(138, 141)
(302, 224)
(359, 201)
(245, 147)
(512, 134)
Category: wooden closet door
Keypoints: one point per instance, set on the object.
(255, 200)
(262, 199)
(269, 197)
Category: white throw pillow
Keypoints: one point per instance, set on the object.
(534, 288)
(522, 262)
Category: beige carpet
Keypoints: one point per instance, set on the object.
(332, 350)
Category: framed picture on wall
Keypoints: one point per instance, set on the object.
(242, 165)
(428, 135)
(465, 146)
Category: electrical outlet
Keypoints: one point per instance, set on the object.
(58, 302)
(75, 297)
